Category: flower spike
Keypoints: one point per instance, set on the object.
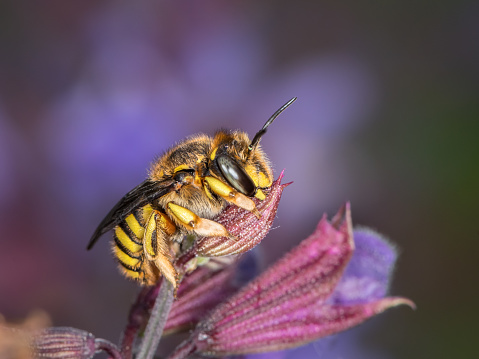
(289, 304)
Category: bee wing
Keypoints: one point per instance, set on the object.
(139, 196)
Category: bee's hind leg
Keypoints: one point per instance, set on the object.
(157, 245)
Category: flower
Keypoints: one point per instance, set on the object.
(331, 281)
(295, 301)
(326, 284)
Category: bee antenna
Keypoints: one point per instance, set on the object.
(261, 132)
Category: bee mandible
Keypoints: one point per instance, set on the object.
(186, 187)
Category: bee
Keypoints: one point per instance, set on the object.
(187, 186)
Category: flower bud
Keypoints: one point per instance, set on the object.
(65, 343)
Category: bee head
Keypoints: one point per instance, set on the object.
(230, 160)
(241, 162)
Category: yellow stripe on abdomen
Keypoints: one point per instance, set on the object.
(127, 242)
(135, 227)
(125, 258)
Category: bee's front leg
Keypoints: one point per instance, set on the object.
(231, 196)
(201, 226)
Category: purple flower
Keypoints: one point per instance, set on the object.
(328, 283)
(321, 287)
(305, 296)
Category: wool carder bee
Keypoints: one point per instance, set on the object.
(186, 187)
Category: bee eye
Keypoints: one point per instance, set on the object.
(236, 176)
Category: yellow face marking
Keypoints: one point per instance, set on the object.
(213, 154)
(264, 181)
(181, 167)
(127, 241)
(125, 258)
(253, 173)
(219, 187)
(135, 226)
(260, 195)
(183, 214)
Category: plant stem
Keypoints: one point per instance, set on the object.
(138, 316)
(159, 315)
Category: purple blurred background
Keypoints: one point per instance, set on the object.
(387, 117)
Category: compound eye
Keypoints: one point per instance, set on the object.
(236, 176)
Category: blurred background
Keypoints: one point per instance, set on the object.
(387, 117)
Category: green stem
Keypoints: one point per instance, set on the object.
(157, 321)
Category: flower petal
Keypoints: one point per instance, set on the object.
(367, 275)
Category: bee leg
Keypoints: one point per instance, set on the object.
(157, 246)
(201, 226)
(232, 196)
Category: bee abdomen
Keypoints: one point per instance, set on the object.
(130, 266)
(128, 247)
(126, 244)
